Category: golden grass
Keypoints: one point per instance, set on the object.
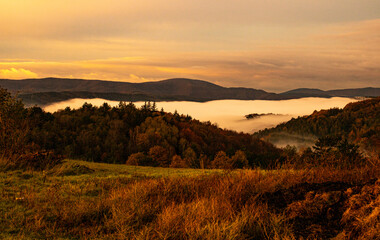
(113, 202)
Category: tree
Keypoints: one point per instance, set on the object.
(137, 159)
(338, 152)
(159, 156)
(191, 158)
(178, 162)
(203, 161)
(239, 160)
(221, 161)
(13, 124)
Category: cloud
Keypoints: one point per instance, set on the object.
(17, 73)
(169, 19)
(228, 49)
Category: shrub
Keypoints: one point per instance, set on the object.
(137, 159)
(221, 161)
(239, 160)
(178, 162)
(38, 160)
(159, 156)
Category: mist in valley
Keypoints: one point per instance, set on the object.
(230, 114)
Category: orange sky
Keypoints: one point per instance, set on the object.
(274, 45)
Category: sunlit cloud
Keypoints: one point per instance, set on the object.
(273, 45)
(17, 73)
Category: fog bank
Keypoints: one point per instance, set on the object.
(230, 113)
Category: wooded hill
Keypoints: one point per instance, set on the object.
(357, 122)
(141, 136)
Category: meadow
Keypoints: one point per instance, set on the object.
(84, 200)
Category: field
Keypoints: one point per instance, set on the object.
(83, 200)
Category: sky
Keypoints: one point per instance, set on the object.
(275, 45)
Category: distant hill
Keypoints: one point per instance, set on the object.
(311, 92)
(358, 122)
(364, 92)
(48, 90)
(305, 92)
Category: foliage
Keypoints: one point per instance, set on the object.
(16, 151)
(13, 127)
(178, 162)
(114, 134)
(330, 151)
(159, 156)
(239, 160)
(137, 159)
(222, 161)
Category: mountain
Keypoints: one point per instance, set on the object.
(48, 90)
(171, 87)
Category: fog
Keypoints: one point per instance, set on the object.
(230, 114)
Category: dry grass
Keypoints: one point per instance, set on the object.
(362, 215)
(246, 204)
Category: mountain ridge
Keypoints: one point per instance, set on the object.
(44, 91)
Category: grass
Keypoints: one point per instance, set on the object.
(122, 170)
(82, 200)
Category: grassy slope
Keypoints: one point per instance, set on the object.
(81, 200)
(104, 170)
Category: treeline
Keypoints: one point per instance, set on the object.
(357, 122)
(125, 133)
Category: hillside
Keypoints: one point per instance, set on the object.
(48, 90)
(358, 122)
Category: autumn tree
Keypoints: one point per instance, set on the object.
(137, 159)
(191, 158)
(239, 160)
(178, 162)
(221, 161)
(13, 126)
(159, 156)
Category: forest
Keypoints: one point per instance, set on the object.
(139, 136)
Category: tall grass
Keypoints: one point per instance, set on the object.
(246, 204)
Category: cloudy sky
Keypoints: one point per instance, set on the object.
(274, 45)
